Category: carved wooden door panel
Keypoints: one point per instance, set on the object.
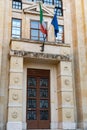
(38, 99)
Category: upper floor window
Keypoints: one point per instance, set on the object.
(58, 5)
(16, 4)
(16, 28)
(35, 33)
(60, 35)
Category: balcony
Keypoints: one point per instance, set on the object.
(32, 49)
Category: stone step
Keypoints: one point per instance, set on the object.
(44, 129)
(54, 129)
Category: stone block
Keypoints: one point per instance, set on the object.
(65, 115)
(65, 50)
(15, 96)
(64, 83)
(16, 79)
(14, 114)
(14, 126)
(16, 46)
(16, 64)
(68, 114)
(65, 68)
(65, 99)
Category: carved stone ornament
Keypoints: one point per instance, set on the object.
(67, 99)
(14, 115)
(15, 96)
(67, 82)
(68, 115)
(16, 80)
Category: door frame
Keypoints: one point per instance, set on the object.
(53, 90)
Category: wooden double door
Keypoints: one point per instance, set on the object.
(38, 99)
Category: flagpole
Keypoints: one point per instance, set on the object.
(42, 47)
(42, 27)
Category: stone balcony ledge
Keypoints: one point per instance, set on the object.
(53, 43)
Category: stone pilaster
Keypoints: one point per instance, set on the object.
(66, 118)
(79, 33)
(1, 26)
(15, 94)
(67, 21)
(1, 42)
(5, 25)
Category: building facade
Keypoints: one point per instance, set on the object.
(43, 80)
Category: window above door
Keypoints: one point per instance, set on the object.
(35, 33)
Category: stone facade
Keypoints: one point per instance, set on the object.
(67, 63)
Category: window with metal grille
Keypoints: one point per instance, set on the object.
(50, 2)
(16, 28)
(60, 35)
(35, 33)
(58, 7)
(16, 4)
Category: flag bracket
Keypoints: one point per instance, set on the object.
(42, 47)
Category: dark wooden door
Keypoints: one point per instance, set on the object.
(38, 99)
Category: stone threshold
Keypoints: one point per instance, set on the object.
(44, 129)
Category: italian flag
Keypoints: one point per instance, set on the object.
(42, 24)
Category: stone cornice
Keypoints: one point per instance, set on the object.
(39, 55)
